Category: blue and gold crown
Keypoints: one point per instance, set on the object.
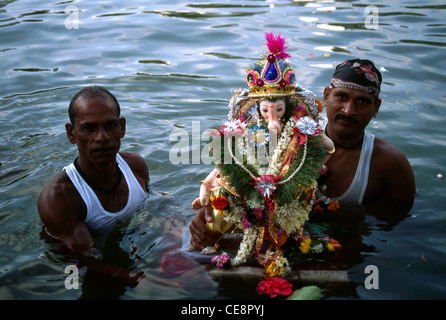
(273, 76)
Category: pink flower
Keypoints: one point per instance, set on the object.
(275, 286)
(324, 170)
(246, 223)
(258, 212)
(242, 118)
(221, 261)
(299, 112)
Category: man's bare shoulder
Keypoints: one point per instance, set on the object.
(131, 157)
(62, 211)
(59, 195)
(137, 164)
(393, 168)
(388, 155)
(59, 186)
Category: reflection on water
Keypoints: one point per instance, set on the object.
(172, 62)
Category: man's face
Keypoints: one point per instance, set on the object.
(97, 129)
(348, 110)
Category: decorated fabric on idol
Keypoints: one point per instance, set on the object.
(359, 74)
(266, 188)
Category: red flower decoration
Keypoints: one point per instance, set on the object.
(220, 203)
(282, 84)
(260, 82)
(275, 286)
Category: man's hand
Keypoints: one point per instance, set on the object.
(201, 236)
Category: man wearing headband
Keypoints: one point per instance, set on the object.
(364, 168)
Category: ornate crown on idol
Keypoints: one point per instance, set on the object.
(273, 76)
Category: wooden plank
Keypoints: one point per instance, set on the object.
(297, 275)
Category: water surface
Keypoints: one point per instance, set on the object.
(174, 62)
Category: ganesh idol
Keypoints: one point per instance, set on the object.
(276, 149)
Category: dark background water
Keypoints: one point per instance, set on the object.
(173, 62)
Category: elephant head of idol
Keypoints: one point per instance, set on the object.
(272, 111)
(271, 80)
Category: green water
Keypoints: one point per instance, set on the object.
(173, 62)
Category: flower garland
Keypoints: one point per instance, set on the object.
(246, 246)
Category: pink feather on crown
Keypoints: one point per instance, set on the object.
(276, 45)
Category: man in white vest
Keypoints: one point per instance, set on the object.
(102, 187)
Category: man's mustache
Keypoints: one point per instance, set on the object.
(340, 116)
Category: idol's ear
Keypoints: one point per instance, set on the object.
(70, 132)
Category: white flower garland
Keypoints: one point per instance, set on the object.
(275, 166)
(291, 216)
(246, 246)
(235, 212)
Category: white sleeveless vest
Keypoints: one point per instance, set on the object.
(355, 193)
(97, 217)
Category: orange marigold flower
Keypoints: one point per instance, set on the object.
(320, 107)
(335, 244)
(333, 206)
(318, 209)
(282, 239)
